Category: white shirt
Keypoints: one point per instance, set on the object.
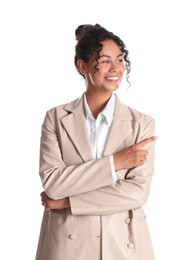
(99, 129)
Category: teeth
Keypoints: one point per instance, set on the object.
(113, 78)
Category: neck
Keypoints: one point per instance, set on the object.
(97, 101)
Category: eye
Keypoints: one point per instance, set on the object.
(105, 61)
(120, 60)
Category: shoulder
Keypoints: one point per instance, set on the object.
(135, 115)
(142, 123)
(62, 110)
(145, 123)
(140, 116)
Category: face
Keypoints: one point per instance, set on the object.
(110, 69)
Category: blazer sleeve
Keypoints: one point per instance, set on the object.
(125, 194)
(60, 180)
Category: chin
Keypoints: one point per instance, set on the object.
(113, 88)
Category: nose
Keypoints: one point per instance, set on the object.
(113, 67)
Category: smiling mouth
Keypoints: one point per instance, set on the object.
(113, 78)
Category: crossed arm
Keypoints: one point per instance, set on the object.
(127, 159)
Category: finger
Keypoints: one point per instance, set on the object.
(41, 194)
(143, 158)
(144, 142)
(44, 196)
(43, 199)
(143, 152)
(140, 163)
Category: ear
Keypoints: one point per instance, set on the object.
(82, 67)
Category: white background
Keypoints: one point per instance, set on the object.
(37, 72)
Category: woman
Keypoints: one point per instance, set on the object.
(96, 163)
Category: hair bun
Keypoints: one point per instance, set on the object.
(83, 29)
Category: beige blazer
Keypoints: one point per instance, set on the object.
(106, 220)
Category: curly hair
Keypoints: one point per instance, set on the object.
(89, 38)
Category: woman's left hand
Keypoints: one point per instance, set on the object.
(51, 204)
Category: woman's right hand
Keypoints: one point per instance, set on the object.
(51, 204)
(132, 156)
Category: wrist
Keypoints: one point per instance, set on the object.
(116, 162)
(67, 204)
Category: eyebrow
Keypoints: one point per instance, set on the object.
(108, 56)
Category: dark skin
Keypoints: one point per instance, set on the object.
(51, 204)
(99, 88)
(127, 158)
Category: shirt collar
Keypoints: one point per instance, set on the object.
(108, 110)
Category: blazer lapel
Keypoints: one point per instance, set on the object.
(76, 127)
(120, 128)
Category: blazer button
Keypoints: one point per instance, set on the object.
(127, 220)
(130, 245)
(72, 236)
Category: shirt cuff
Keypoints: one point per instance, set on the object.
(114, 175)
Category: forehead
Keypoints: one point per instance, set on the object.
(110, 47)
